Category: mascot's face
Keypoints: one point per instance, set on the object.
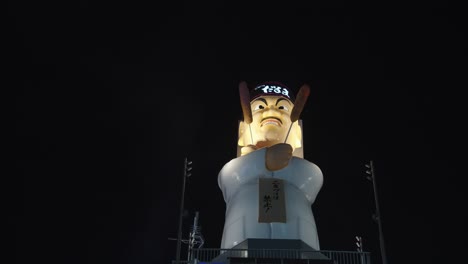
(270, 120)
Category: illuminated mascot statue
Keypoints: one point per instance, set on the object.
(269, 188)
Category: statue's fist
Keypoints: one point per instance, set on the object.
(278, 156)
(247, 149)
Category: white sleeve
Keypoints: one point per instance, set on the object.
(239, 170)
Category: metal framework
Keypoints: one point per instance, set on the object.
(276, 256)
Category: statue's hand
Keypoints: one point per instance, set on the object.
(278, 156)
(247, 149)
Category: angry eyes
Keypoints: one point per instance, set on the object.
(261, 107)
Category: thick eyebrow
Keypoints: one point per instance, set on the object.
(261, 99)
(277, 101)
(281, 99)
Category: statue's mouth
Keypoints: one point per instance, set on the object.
(271, 121)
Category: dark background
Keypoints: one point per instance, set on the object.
(110, 98)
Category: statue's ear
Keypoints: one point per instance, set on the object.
(241, 133)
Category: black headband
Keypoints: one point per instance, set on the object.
(272, 89)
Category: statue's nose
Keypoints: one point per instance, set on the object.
(272, 111)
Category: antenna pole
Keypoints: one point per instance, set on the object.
(186, 174)
(377, 217)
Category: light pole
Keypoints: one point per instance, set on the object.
(186, 174)
(371, 172)
(359, 243)
(360, 249)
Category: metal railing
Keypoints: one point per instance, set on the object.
(225, 256)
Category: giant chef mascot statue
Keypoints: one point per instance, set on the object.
(269, 188)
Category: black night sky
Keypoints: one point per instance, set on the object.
(111, 97)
